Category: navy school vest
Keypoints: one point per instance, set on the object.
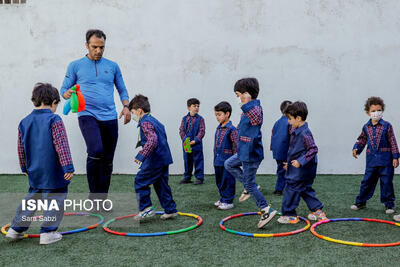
(195, 130)
(380, 155)
(223, 149)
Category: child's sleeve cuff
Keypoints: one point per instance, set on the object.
(396, 155)
(68, 168)
(140, 157)
(197, 140)
(23, 169)
(302, 161)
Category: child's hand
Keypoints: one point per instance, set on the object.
(395, 163)
(355, 153)
(295, 164)
(68, 176)
(192, 142)
(26, 174)
(285, 166)
(137, 161)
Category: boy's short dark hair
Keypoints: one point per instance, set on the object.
(193, 101)
(44, 93)
(98, 33)
(140, 101)
(297, 108)
(284, 105)
(224, 107)
(374, 100)
(249, 85)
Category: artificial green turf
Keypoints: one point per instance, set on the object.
(208, 244)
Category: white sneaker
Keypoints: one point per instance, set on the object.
(267, 214)
(14, 234)
(246, 195)
(389, 211)
(396, 217)
(146, 213)
(167, 216)
(217, 203)
(50, 237)
(225, 206)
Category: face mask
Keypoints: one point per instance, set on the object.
(376, 116)
(239, 102)
(136, 117)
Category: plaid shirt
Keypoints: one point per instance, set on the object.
(190, 121)
(60, 142)
(221, 132)
(152, 139)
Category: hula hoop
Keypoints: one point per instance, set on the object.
(221, 225)
(4, 231)
(349, 242)
(199, 222)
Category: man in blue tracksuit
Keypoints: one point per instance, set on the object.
(280, 146)
(154, 160)
(98, 122)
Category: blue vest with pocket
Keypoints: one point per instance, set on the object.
(280, 139)
(224, 151)
(193, 133)
(161, 155)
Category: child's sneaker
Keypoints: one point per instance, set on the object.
(146, 213)
(357, 206)
(318, 215)
(167, 216)
(216, 204)
(288, 219)
(277, 193)
(396, 217)
(14, 234)
(185, 181)
(50, 237)
(225, 206)
(246, 195)
(389, 211)
(267, 214)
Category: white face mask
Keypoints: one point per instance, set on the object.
(135, 117)
(376, 116)
(239, 101)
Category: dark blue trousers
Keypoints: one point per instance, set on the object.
(368, 184)
(101, 140)
(280, 173)
(195, 158)
(226, 184)
(159, 179)
(294, 190)
(20, 224)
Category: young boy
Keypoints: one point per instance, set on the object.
(225, 145)
(250, 151)
(301, 168)
(382, 156)
(193, 126)
(44, 156)
(280, 146)
(154, 160)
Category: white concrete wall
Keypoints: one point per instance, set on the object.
(331, 54)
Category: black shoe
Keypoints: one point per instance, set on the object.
(358, 206)
(185, 181)
(198, 181)
(277, 193)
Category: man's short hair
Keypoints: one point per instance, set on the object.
(95, 32)
(297, 108)
(374, 100)
(44, 93)
(224, 107)
(249, 85)
(140, 101)
(193, 101)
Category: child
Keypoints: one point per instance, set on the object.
(280, 146)
(301, 168)
(154, 160)
(193, 126)
(250, 151)
(44, 156)
(382, 156)
(225, 145)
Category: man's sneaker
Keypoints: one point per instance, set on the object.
(14, 234)
(288, 219)
(389, 211)
(246, 195)
(198, 181)
(216, 204)
(277, 193)
(50, 237)
(357, 206)
(185, 181)
(225, 206)
(318, 215)
(396, 217)
(146, 213)
(267, 214)
(167, 216)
